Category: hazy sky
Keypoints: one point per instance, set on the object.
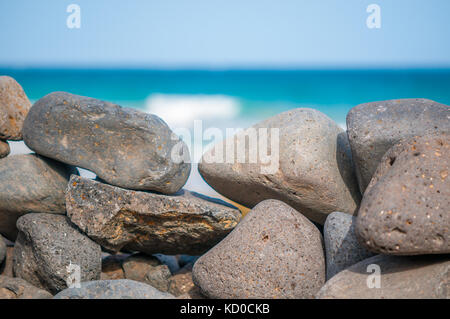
(225, 33)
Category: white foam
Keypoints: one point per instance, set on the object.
(181, 110)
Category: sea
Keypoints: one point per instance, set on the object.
(233, 98)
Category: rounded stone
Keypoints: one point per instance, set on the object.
(14, 106)
(405, 209)
(342, 248)
(392, 277)
(113, 289)
(4, 149)
(274, 252)
(375, 127)
(31, 184)
(50, 252)
(124, 147)
(17, 288)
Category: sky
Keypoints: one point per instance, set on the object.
(221, 34)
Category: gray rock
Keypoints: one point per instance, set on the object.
(314, 173)
(2, 250)
(113, 289)
(405, 210)
(14, 106)
(147, 269)
(375, 127)
(17, 288)
(124, 147)
(4, 149)
(418, 277)
(48, 250)
(117, 218)
(342, 248)
(30, 184)
(274, 252)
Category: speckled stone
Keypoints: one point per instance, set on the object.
(274, 252)
(124, 147)
(314, 173)
(375, 127)
(147, 269)
(116, 218)
(342, 248)
(113, 289)
(17, 288)
(4, 149)
(47, 245)
(405, 210)
(402, 277)
(14, 106)
(30, 184)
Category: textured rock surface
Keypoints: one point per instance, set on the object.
(17, 288)
(112, 267)
(30, 184)
(405, 210)
(147, 269)
(116, 218)
(315, 173)
(124, 147)
(274, 252)
(46, 247)
(4, 149)
(375, 127)
(2, 249)
(113, 289)
(14, 106)
(342, 248)
(409, 277)
(181, 283)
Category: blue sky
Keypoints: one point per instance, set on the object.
(225, 34)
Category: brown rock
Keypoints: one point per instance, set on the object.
(181, 283)
(112, 267)
(147, 269)
(405, 209)
(4, 149)
(6, 269)
(17, 288)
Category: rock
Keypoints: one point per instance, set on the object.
(375, 127)
(418, 277)
(2, 249)
(49, 249)
(16, 288)
(170, 261)
(181, 283)
(113, 289)
(147, 269)
(117, 218)
(4, 149)
(124, 147)
(274, 252)
(112, 267)
(194, 293)
(341, 244)
(14, 106)
(310, 168)
(405, 210)
(6, 269)
(30, 184)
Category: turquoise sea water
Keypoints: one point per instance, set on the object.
(245, 96)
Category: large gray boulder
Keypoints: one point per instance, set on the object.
(375, 127)
(31, 184)
(124, 147)
(342, 248)
(113, 289)
(14, 106)
(117, 218)
(274, 252)
(418, 277)
(50, 251)
(405, 209)
(310, 166)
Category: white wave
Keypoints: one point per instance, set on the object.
(181, 110)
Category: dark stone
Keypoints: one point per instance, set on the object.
(124, 147)
(274, 252)
(117, 218)
(405, 209)
(4, 149)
